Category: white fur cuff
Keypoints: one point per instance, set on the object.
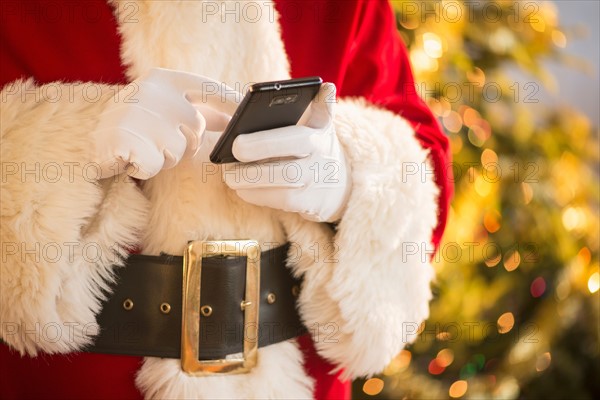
(363, 299)
(61, 229)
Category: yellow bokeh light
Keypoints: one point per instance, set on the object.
(538, 24)
(452, 13)
(543, 362)
(398, 363)
(478, 135)
(432, 45)
(559, 38)
(471, 116)
(409, 23)
(493, 261)
(527, 192)
(453, 122)
(446, 106)
(476, 76)
(457, 144)
(482, 186)
(489, 156)
(562, 290)
(502, 40)
(373, 386)
(512, 261)
(546, 15)
(422, 62)
(573, 218)
(435, 106)
(594, 282)
(506, 322)
(458, 389)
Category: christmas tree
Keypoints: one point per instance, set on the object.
(516, 306)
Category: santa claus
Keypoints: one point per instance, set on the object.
(109, 113)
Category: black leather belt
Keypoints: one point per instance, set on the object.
(143, 316)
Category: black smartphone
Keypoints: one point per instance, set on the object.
(267, 105)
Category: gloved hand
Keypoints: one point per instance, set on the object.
(156, 126)
(300, 168)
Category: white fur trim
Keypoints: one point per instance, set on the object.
(368, 290)
(278, 375)
(60, 231)
(234, 42)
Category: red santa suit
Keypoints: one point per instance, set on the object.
(375, 292)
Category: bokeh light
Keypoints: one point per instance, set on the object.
(432, 45)
(543, 362)
(593, 283)
(491, 221)
(435, 368)
(538, 287)
(458, 389)
(559, 38)
(373, 386)
(512, 260)
(506, 322)
(445, 357)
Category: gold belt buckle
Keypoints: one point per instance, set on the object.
(190, 325)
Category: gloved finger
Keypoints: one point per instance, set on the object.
(166, 103)
(321, 111)
(290, 141)
(197, 89)
(170, 159)
(193, 135)
(209, 139)
(158, 132)
(215, 119)
(272, 174)
(280, 198)
(217, 96)
(145, 157)
(146, 168)
(175, 147)
(144, 128)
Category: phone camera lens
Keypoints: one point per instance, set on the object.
(278, 86)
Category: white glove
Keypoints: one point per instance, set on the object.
(153, 129)
(313, 179)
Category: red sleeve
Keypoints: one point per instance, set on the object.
(64, 40)
(355, 44)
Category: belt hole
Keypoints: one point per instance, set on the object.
(165, 308)
(295, 290)
(128, 304)
(206, 311)
(271, 298)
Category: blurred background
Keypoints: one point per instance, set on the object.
(515, 85)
